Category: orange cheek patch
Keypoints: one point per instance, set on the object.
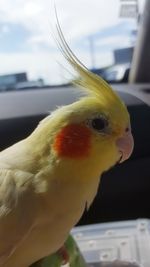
(73, 141)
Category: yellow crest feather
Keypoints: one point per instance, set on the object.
(87, 80)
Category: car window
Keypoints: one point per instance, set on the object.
(102, 34)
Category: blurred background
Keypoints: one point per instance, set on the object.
(103, 34)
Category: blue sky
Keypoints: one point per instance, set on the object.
(13, 38)
(26, 43)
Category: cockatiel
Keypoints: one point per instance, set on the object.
(48, 179)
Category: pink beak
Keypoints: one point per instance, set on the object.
(125, 146)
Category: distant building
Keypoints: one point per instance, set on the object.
(123, 55)
(30, 85)
(119, 70)
(9, 82)
(18, 81)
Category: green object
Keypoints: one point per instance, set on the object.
(75, 256)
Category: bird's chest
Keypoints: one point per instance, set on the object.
(61, 208)
(50, 236)
(47, 237)
(62, 211)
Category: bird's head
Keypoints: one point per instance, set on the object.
(97, 127)
(94, 130)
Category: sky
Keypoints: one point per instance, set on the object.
(27, 28)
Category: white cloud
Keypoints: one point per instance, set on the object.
(5, 29)
(78, 18)
(115, 41)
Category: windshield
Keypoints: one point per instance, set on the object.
(101, 33)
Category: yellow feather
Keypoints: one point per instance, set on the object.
(91, 83)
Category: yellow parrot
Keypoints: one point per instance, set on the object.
(48, 179)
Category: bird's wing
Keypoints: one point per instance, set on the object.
(16, 210)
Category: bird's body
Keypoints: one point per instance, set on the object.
(51, 177)
(59, 202)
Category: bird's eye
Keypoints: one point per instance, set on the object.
(99, 124)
